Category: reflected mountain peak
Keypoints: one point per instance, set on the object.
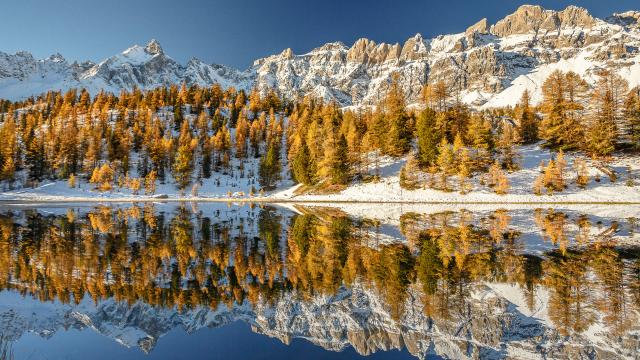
(453, 283)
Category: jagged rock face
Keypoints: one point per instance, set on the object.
(629, 19)
(485, 325)
(353, 75)
(153, 48)
(485, 66)
(142, 67)
(533, 18)
(149, 67)
(21, 66)
(17, 66)
(481, 27)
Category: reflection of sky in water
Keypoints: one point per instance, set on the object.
(492, 266)
(233, 341)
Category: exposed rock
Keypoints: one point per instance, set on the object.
(287, 54)
(366, 51)
(482, 62)
(629, 19)
(527, 18)
(574, 16)
(533, 18)
(414, 49)
(483, 325)
(481, 27)
(154, 48)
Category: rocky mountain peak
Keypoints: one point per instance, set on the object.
(627, 18)
(57, 57)
(154, 48)
(575, 16)
(287, 54)
(533, 18)
(414, 48)
(332, 46)
(487, 65)
(360, 50)
(365, 51)
(481, 27)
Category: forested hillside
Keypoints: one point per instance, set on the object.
(188, 139)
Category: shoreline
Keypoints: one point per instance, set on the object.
(266, 200)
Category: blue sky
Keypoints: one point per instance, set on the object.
(235, 32)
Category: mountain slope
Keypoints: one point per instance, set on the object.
(486, 65)
(142, 67)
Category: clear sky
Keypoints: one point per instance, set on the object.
(236, 32)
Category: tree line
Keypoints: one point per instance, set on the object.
(187, 134)
(185, 259)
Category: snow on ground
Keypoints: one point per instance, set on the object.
(617, 223)
(521, 181)
(235, 187)
(583, 64)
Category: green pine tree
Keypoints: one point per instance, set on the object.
(302, 167)
(269, 171)
(340, 167)
(632, 117)
(428, 138)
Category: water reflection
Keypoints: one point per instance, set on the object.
(491, 283)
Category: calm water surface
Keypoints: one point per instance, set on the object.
(202, 281)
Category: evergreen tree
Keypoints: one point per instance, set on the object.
(340, 166)
(527, 120)
(377, 132)
(206, 156)
(177, 115)
(35, 158)
(255, 136)
(505, 145)
(632, 117)
(398, 133)
(428, 138)
(302, 167)
(269, 170)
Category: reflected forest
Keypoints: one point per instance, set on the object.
(184, 258)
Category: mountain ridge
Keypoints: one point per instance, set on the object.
(486, 65)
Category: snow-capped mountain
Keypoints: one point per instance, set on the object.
(486, 65)
(142, 67)
(492, 323)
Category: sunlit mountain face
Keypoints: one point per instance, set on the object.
(187, 280)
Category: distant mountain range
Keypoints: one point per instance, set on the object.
(486, 65)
